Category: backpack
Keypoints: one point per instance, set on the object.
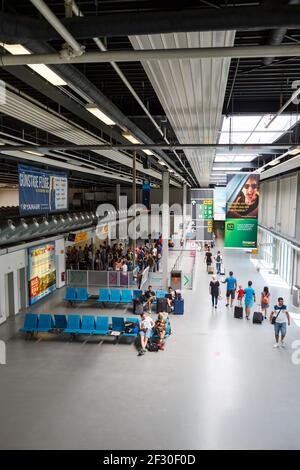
(218, 259)
(265, 299)
(152, 346)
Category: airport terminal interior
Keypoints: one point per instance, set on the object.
(149, 225)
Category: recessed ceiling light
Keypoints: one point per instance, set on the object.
(92, 108)
(41, 69)
(161, 162)
(33, 152)
(130, 137)
(148, 152)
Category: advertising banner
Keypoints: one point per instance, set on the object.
(219, 203)
(41, 271)
(42, 191)
(242, 197)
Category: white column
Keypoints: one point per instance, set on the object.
(165, 226)
(184, 202)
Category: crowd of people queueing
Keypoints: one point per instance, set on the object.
(115, 257)
(279, 315)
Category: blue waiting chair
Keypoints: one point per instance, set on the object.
(102, 326)
(60, 321)
(137, 294)
(160, 294)
(103, 295)
(126, 296)
(82, 294)
(87, 325)
(70, 294)
(45, 324)
(118, 324)
(135, 330)
(115, 296)
(30, 323)
(74, 323)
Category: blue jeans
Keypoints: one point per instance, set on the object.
(280, 327)
(218, 266)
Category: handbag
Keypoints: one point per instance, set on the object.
(275, 318)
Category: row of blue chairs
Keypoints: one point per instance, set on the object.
(75, 324)
(106, 295)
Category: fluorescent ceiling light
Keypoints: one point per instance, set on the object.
(294, 151)
(41, 69)
(161, 162)
(171, 171)
(252, 128)
(148, 152)
(92, 108)
(32, 152)
(131, 138)
(236, 158)
(227, 168)
(274, 162)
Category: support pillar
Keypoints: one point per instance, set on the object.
(184, 202)
(165, 226)
(118, 192)
(134, 202)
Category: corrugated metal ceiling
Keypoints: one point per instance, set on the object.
(190, 91)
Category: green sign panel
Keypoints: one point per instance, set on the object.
(240, 233)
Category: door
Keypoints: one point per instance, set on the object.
(22, 288)
(10, 298)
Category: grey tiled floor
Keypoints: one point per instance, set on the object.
(218, 385)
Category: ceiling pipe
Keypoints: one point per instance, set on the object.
(277, 36)
(242, 52)
(14, 28)
(76, 48)
(119, 72)
(286, 104)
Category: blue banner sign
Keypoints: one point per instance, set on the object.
(42, 191)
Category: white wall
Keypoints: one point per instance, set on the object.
(9, 197)
(11, 262)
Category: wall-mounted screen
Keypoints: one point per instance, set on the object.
(41, 271)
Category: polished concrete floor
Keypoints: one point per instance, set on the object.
(218, 385)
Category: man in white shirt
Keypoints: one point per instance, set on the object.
(146, 325)
(281, 315)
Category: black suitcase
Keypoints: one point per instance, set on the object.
(161, 305)
(137, 307)
(178, 307)
(257, 317)
(238, 312)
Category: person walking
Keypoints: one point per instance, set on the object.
(249, 299)
(208, 258)
(219, 260)
(231, 285)
(265, 301)
(279, 317)
(214, 291)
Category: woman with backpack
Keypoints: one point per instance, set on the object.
(264, 301)
(218, 260)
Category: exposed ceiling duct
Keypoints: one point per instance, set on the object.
(277, 36)
(190, 91)
(15, 28)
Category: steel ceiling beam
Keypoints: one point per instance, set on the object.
(163, 146)
(14, 28)
(287, 50)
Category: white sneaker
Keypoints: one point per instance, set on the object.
(276, 345)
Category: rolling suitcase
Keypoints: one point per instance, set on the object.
(210, 269)
(238, 312)
(257, 317)
(222, 270)
(137, 307)
(161, 305)
(178, 307)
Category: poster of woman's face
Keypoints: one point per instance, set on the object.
(243, 196)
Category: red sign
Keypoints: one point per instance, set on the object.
(34, 287)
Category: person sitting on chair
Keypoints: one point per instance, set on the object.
(146, 325)
(160, 328)
(170, 298)
(149, 297)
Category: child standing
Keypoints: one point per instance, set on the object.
(241, 294)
